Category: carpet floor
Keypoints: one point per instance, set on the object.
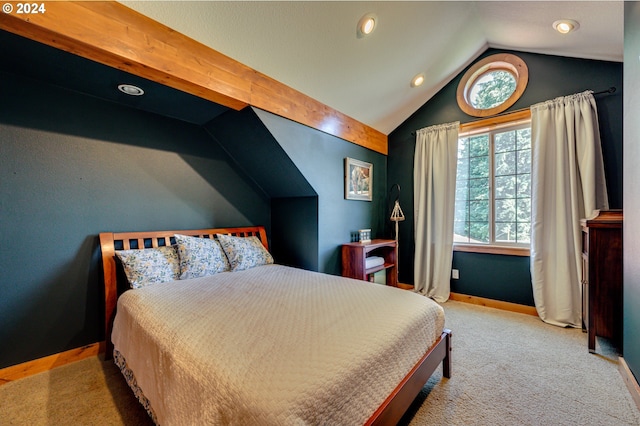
(508, 369)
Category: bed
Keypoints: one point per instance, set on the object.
(267, 343)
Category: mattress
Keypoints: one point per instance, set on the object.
(272, 345)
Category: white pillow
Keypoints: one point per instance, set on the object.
(244, 252)
(199, 257)
(150, 266)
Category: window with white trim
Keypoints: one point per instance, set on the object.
(493, 186)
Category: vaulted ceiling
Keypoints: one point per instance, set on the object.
(312, 46)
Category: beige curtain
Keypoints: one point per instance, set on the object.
(567, 184)
(434, 183)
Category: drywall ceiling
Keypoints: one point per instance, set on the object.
(44, 63)
(312, 45)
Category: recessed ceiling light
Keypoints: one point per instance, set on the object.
(565, 26)
(417, 80)
(366, 25)
(130, 89)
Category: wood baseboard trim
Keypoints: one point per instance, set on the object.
(29, 368)
(497, 304)
(405, 286)
(629, 380)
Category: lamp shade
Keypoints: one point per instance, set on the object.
(397, 215)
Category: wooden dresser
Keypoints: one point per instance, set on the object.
(354, 257)
(602, 277)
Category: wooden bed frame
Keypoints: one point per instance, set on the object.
(391, 410)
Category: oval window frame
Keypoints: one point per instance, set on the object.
(499, 62)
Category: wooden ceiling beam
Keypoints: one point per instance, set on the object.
(115, 35)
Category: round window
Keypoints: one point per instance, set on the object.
(492, 85)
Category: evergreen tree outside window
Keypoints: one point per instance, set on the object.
(493, 187)
(492, 89)
(492, 85)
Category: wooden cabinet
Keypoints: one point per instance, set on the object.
(354, 257)
(602, 277)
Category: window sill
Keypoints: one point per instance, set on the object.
(476, 248)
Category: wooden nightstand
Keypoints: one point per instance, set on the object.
(354, 260)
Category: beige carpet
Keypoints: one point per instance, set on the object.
(87, 392)
(508, 369)
(513, 369)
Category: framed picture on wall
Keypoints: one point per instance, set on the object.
(358, 180)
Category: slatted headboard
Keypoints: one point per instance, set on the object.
(111, 242)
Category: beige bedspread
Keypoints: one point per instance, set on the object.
(272, 345)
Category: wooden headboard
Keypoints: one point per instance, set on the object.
(111, 242)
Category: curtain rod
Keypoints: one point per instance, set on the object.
(611, 89)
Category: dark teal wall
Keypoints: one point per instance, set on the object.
(72, 166)
(294, 226)
(483, 275)
(549, 77)
(302, 171)
(631, 316)
(320, 158)
(248, 141)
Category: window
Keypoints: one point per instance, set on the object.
(493, 186)
(492, 89)
(492, 85)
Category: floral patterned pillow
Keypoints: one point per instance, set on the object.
(150, 266)
(199, 257)
(244, 252)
